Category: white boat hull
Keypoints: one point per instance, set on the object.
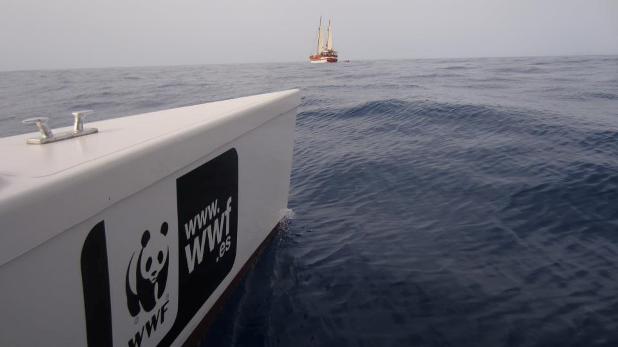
(155, 244)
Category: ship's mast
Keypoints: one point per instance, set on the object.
(322, 37)
(329, 42)
(319, 48)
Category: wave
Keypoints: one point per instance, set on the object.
(601, 95)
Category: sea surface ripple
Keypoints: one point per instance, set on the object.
(459, 202)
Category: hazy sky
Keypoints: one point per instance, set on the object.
(98, 33)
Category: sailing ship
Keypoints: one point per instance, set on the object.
(325, 51)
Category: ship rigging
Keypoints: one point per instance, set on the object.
(325, 51)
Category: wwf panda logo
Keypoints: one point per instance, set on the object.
(147, 274)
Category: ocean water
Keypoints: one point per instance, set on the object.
(460, 202)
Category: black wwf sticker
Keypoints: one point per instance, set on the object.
(207, 207)
(207, 199)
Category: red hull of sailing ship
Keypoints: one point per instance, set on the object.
(322, 59)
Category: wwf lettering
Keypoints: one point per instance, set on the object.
(150, 326)
(207, 202)
(209, 224)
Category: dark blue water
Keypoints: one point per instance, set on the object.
(436, 202)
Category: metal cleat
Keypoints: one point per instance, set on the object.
(47, 135)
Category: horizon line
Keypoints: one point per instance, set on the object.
(303, 61)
